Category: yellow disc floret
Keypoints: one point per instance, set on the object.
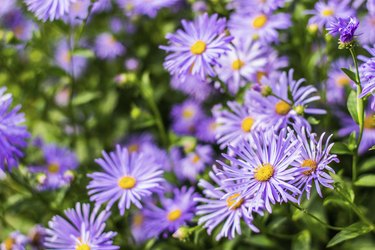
(259, 21)
(370, 122)
(198, 47)
(83, 247)
(247, 124)
(53, 168)
(327, 12)
(174, 215)
(126, 182)
(233, 202)
(264, 172)
(309, 163)
(282, 108)
(237, 64)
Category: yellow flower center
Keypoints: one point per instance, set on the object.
(133, 148)
(233, 202)
(195, 158)
(138, 220)
(264, 172)
(370, 122)
(83, 247)
(259, 21)
(328, 12)
(282, 108)
(127, 182)
(9, 242)
(198, 47)
(237, 64)
(53, 168)
(260, 75)
(174, 215)
(187, 113)
(309, 164)
(247, 124)
(342, 80)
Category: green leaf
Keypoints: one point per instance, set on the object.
(368, 165)
(350, 74)
(302, 241)
(343, 188)
(352, 105)
(372, 148)
(313, 120)
(87, 53)
(350, 232)
(334, 200)
(85, 98)
(340, 149)
(366, 181)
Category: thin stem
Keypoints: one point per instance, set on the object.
(316, 218)
(280, 98)
(360, 112)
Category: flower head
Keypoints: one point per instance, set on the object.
(12, 135)
(107, 47)
(126, 178)
(263, 169)
(145, 7)
(215, 210)
(82, 230)
(367, 74)
(338, 82)
(73, 64)
(172, 214)
(345, 27)
(56, 171)
(315, 159)
(185, 117)
(49, 9)
(193, 86)
(15, 240)
(196, 48)
(78, 12)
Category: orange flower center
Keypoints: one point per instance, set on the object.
(233, 202)
(282, 108)
(174, 215)
(309, 164)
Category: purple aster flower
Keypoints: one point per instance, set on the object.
(367, 23)
(234, 124)
(83, 229)
(349, 125)
(193, 86)
(12, 135)
(171, 214)
(78, 12)
(263, 169)
(206, 131)
(145, 7)
(21, 27)
(132, 64)
(241, 63)
(338, 81)
(56, 169)
(125, 179)
(263, 26)
(7, 6)
(199, 6)
(267, 6)
(315, 159)
(16, 241)
(36, 237)
(345, 27)
(326, 12)
(49, 9)
(367, 74)
(72, 64)
(185, 117)
(194, 163)
(138, 226)
(101, 6)
(107, 47)
(195, 49)
(287, 104)
(230, 211)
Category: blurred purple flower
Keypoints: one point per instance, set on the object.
(21, 27)
(206, 130)
(82, 229)
(338, 82)
(36, 237)
(107, 47)
(132, 64)
(78, 12)
(266, 6)
(124, 178)
(193, 86)
(185, 117)
(145, 7)
(72, 64)
(15, 241)
(367, 74)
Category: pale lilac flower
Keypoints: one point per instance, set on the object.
(107, 47)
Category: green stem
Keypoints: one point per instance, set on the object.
(316, 218)
(360, 112)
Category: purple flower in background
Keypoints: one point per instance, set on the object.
(15, 241)
(21, 27)
(36, 237)
(49, 9)
(345, 27)
(194, 163)
(195, 49)
(206, 131)
(349, 126)
(326, 12)
(367, 74)
(145, 7)
(137, 227)
(292, 102)
(193, 86)
(132, 64)
(185, 117)
(172, 214)
(368, 23)
(338, 81)
(101, 6)
(241, 63)
(263, 168)
(230, 211)
(82, 230)
(107, 47)
(78, 12)
(13, 136)
(125, 179)
(7, 6)
(56, 170)
(259, 25)
(315, 159)
(72, 64)
(199, 6)
(246, 6)
(234, 124)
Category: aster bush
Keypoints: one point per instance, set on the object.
(187, 124)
